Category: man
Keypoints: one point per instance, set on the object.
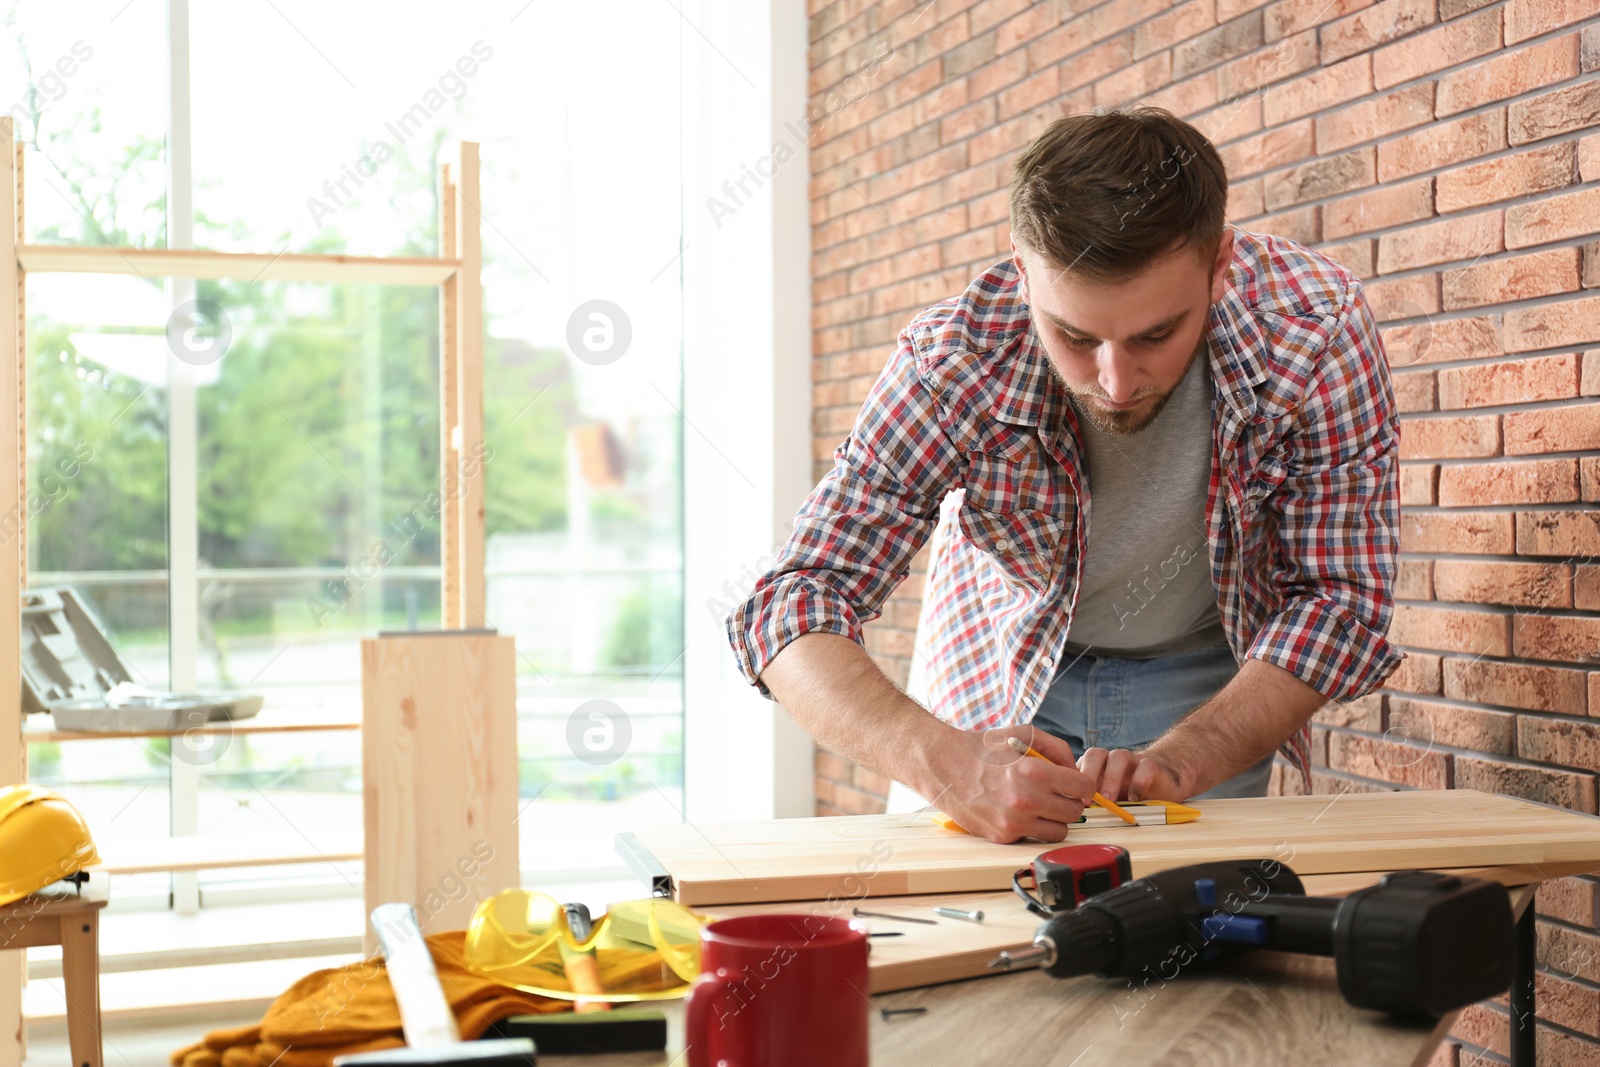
(1170, 452)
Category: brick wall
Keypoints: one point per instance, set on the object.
(1448, 152)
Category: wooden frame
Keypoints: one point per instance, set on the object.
(457, 271)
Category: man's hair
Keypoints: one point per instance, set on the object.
(1104, 195)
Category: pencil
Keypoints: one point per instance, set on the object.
(1028, 750)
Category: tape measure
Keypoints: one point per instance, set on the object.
(1063, 878)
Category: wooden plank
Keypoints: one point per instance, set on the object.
(955, 949)
(439, 766)
(808, 859)
(156, 263)
(161, 854)
(470, 447)
(449, 460)
(13, 529)
(37, 731)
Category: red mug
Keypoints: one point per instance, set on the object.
(779, 991)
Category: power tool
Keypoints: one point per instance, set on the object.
(1418, 943)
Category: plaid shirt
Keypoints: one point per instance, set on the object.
(1302, 506)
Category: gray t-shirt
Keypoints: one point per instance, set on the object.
(1147, 588)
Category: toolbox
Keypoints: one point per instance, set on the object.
(71, 670)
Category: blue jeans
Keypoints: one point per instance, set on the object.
(1106, 702)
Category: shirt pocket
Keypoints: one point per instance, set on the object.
(1009, 505)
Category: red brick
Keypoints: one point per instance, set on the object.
(1453, 437)
(1566, 742)
(1279, 147)
(1180, 24)
(1300, 224)
(1232, 38)
(1576, 107)
(1509, 74)
(1029, 94)
(1356, 256)
(1417, 673)
(1506, 178)
(870, 781)
(1590, 276)
(1007, 70)
(1414, 580)
(1553, 218)
(970, 120)
(1546, 585)
(1448, 339)
(1568, 428)
(1407, 297)
(1369, 757)
(1586, 589)
(1546, 785)
(1362, 713)
(1284, 59)
(1517, 381)
(1126, 84)
(1503, 280)
(832, 767)
(1483, 532)
(1589, 157)
(1570, 954)
(1436, 49)
(1558, 533)
(1321, 178)
(1573, 900)
(1325, 86)
(1432, 724)
(1391, 205)
(1287, 17)
(1594, 693)
(1186, 98)
(1529, 18)
(1483, 633)
(1063, 41)
(1548, 481)
(1568, 638)
(1368, 120)
(1516, 685)
(1590, 384)
(1561, 325)
(1414, 392)
(1442, 144)
(1032, 21)
(1589, 479)
(1376, 25)
(1440, 242)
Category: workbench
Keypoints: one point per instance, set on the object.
(1268, 1008)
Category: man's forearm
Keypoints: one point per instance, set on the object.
(1260, 708)
(832, 688)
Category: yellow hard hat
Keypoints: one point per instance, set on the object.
(42, 840)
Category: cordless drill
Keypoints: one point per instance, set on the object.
(1417, 943)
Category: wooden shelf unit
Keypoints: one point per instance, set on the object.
(456, 272)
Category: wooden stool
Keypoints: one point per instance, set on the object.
(74, 924)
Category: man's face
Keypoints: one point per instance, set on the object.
(1122, 348)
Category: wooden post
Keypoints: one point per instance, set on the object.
(13, 560)
(439, 772)
(462, 449)
(471, 448)
(450, 508)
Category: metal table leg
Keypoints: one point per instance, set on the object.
(1523, 1021)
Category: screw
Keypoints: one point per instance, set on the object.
(880, 915)
(886, 1012)
(957, 913)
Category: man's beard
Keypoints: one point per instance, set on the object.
(1119, 423)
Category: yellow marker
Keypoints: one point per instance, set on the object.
(1028, 750)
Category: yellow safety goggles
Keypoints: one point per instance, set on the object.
(638, 950)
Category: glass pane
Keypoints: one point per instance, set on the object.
(318, 471)
(97, 523)
(86, 88)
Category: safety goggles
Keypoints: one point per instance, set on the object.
(638, 950)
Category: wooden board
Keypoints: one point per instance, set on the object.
(439, 766)
(249, 266)
(893, 855)
(955, 949)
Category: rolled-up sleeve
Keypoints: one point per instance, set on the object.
(856, 533)
(1338, 512)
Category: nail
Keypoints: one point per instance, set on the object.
(886, 1012)
(957, 913)
(888, 933)
(880, 915)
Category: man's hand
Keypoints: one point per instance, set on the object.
(1125, 775)
(996, 792)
